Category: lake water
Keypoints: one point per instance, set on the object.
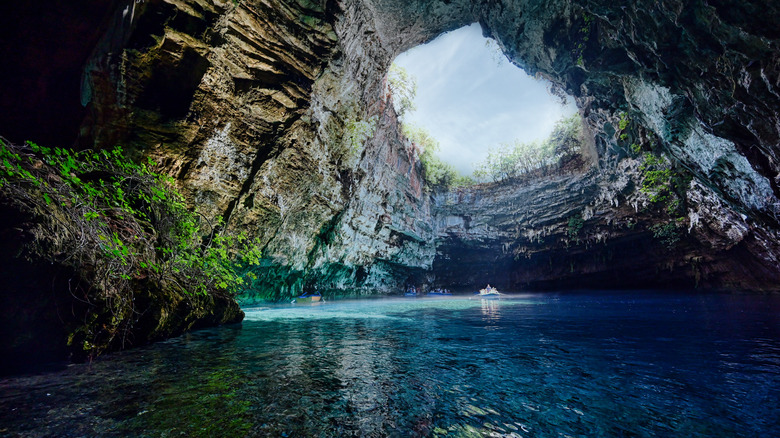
(546, 365)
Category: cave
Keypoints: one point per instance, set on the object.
(253, 109)
(270, 123)
(263, 98)
(250, 107)
(471, 107)
(622, 241)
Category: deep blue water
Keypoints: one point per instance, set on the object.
(547, 365)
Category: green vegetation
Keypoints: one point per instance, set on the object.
(122, 227)
(436, 172)
(583, 36)
(123, 210)
(515, 159)
(576, 223)
(669, 233)
(356, 132)
(657, 183)
(403, 88)
(666, 187)
(508, 161)
(664, 184)
(624, 125)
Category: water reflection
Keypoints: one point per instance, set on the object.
(541, 366)
(490, 309)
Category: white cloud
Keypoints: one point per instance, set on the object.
(470, 98)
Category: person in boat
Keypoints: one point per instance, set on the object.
(488, 290)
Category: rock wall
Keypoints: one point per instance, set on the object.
(273, 115)
(596, 229)
(250, 106)
(697, 83)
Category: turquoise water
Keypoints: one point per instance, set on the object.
(546, 365)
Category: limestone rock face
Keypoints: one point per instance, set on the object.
(698, 83)
(273, 114)
(702, 76)
(255, 108)
(253, 105)
(595, 230)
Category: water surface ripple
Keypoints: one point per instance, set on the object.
(542, 365)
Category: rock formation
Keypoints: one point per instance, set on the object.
(274, 115)
(674, 67)
(248, 105)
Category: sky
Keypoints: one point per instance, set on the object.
(471, 98)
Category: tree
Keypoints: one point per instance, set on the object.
(436, 172)
(403, 88)
(517, 158)
(566, 137)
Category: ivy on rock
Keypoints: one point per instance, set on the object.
(121, 226)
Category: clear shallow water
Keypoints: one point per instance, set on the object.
(534, 365)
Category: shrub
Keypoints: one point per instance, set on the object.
(517, 158)
(120, 225)
(657, 173)
(668, 234)
(576, 223)
(132, 220)
(664, 183)
(436, 172)
(402, 86)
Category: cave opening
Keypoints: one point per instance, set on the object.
(521, 152)
(466, 96)
(245, 104)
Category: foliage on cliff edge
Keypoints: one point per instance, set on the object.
(518, 159)
(128, 233)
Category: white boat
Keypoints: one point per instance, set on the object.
(489, 292)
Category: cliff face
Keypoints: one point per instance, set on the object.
(596, 230)
(273, 115)
(697, 82)
(693, 82)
